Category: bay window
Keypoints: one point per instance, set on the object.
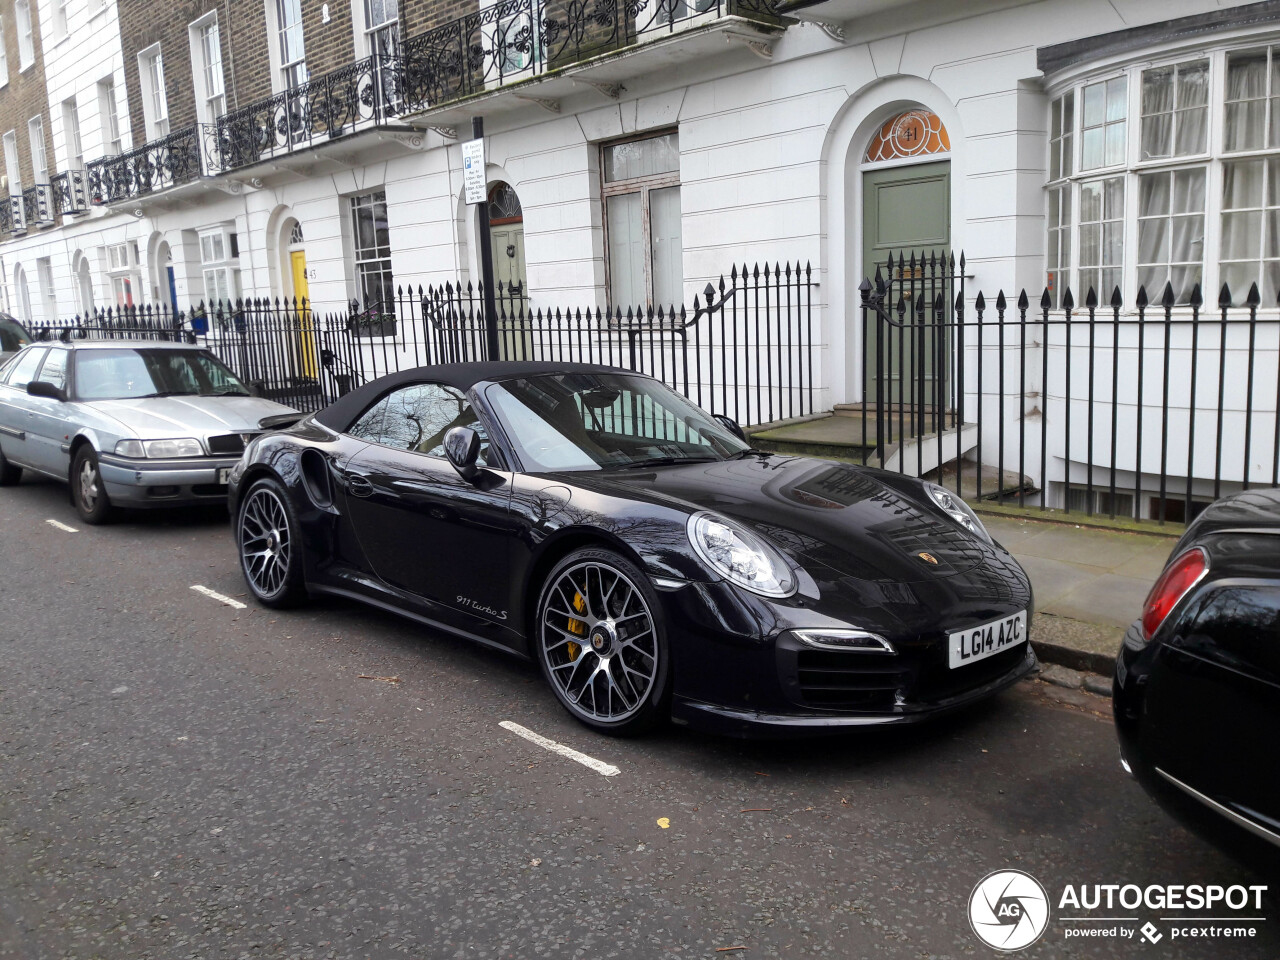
(1167, 173)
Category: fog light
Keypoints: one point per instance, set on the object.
(162, 491)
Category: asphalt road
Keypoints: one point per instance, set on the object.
(179, 778)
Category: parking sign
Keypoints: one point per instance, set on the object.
(473, 170)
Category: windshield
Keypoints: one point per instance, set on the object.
(597, 421)
(12, 336)
(128, 374)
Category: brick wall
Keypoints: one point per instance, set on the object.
(419, 16)
(24, 96)
(329, 45)
(245, 59)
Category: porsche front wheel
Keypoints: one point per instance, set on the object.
(601, 642)
(269, 546)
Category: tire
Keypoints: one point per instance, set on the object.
(603, 651)
(269, 544)
(87, 491)
(9, 474)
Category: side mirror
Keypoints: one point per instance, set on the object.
(731, 425)
(43, 388)
(462, 447)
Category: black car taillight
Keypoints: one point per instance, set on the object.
(1186, 570)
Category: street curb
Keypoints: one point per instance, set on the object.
(1099, 663)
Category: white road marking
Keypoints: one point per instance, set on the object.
(599, 766)
(214, 595)
(61, 526)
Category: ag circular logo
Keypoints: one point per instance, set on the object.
(1008, 910)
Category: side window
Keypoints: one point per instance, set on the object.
(417, 417)
(369, 426)
(55, 369)
(26, 367)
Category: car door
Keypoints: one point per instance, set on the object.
(14, 406)
(49, 421)
(423, 528)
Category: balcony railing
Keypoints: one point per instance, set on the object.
(156, 165)
(37, 203)
(70, 192)
(514, 40)
(17, 210)
(332, 105)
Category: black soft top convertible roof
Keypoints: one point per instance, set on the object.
(343, 412)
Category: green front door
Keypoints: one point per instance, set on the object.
(906, 210)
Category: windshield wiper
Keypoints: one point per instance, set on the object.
(233, 392)
(749, 452)
(665, 461)
(164, 393)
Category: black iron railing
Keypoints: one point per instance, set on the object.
(745, 347)
(37, 204)
(17, 213)
(1147, 411)
(514, 40)
(333, 105)
(157, 165)
(71, 192)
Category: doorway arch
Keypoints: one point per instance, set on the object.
(23, 294)
(83, 282)
(506, 234)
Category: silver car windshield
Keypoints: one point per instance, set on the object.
(598, 421)
(129, 374)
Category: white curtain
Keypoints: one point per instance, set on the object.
(1247, 87)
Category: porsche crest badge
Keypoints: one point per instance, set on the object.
(928, 558)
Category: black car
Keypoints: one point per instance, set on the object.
(637, 548)
(1197, 684)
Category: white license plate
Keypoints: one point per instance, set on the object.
(978, 643)
(224, 476)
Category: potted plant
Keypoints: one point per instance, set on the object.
(199, 321)
(372, 321)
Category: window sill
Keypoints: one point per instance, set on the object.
(24, 67)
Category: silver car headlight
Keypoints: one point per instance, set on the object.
(740, 556)
(957, 510)
(130, 448)
(169, 449)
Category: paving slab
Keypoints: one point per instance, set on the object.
(1110, 599)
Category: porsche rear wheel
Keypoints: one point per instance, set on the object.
(601, 642)
(269, 545)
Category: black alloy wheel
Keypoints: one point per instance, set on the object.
(87, 490)
(269, 546)
(602, 644)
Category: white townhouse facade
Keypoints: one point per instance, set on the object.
(1059, 144)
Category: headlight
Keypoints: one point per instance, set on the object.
(957, 510)
(740, 556)
(130, 448)
(167, 449)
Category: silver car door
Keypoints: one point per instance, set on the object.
(49, 421)
(14, 407)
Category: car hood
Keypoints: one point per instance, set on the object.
(840, 517)
(154, 418)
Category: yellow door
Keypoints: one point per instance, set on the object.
(302, 293)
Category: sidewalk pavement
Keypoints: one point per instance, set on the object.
(1089, 585)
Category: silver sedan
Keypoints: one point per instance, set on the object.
(127, 423)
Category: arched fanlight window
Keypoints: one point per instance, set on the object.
(295, 235)
(504, 205)
(915, 133)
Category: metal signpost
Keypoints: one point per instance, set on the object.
(473, 180)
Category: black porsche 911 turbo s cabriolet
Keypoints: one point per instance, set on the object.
(637, 548)
(1196, 694)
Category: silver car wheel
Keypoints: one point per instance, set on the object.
(598, 642)
(89, 484)
(265, 544)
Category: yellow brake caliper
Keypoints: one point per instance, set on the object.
(576, 626)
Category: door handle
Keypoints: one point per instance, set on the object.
(358, 486)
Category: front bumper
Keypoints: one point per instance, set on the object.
(740, 671)
(164, 483)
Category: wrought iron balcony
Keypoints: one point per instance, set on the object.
(37, 204)
(515, 40)
(70, 192)
(156, 165)
(17, 211)
(335, 104)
